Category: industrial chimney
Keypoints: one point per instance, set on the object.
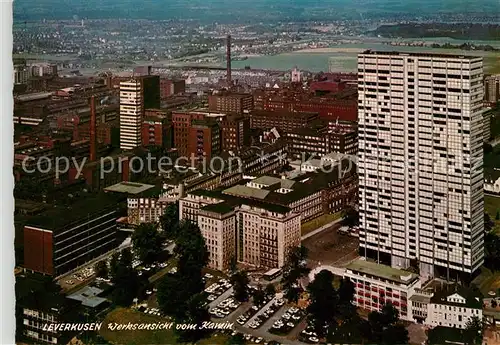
(228, 60)
(92, 130)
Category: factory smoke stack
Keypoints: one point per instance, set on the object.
(92, 130)
(228, 60)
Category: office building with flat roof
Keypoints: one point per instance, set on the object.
(420, 161)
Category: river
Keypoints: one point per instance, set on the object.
(343, 57)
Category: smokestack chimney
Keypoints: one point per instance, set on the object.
(92, 129)
(228, 59)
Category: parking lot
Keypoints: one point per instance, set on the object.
(288, 321)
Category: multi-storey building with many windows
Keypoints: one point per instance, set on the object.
(258, 234)
(420, 161)
(136, 95)
(376, 285)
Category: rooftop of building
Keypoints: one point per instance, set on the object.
(221, 208)
(430, 55)
(292, 190)
(129, 187)
(58, 218)
(235, 201)
(33, 96)
(473, 297)
(88, 296)
(382, 271)
(38, 292)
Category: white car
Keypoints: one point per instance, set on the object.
(314, 339)
(258, 340)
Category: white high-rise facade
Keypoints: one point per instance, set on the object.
(420, 161)
(131, 114)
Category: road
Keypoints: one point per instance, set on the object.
(320, 229)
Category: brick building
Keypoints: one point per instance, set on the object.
(235, 132)
(181, 124)
(171, 87)
(284, 120)
(230, 103)
(157, 131)
(65, 238)
(204, 139)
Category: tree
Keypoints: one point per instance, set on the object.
(350, 217)
(236, 339)
(488, 223)
(196, 313)
(124, 279)
(385, 327)
(294, 269)
(114, 263)
(497, 217)
(233, 264)
(148, 242)
(270, 290)
(101, 269)
(346, 310)
(492, 251)
(487, 148)
(191, 250)
(474, 330)
(170, 221)
(240, 285)
(259, 296)
(323, 303)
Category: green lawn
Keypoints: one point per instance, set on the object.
(319, 222)
(487, 281)
(491, 206)
(145, 337)
(139, 337)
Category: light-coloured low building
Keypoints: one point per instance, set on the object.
(454, 307)
(377, 285)
(492, 181)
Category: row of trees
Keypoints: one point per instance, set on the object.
(334, 317)
(491, 244)
(180, 295)
(148, 240)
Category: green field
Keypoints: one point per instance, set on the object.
(319, 222)
(143, 337)
(491, 206)
(139, 337)
(487, 281)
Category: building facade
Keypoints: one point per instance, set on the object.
(284, 120)
(454, 308)
(230, 103)
(136, 95)
(492, 88)
(55, 247)
(420, 161)
(376, 285)
(257, 234)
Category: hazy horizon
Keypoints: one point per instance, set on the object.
(239, 10)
